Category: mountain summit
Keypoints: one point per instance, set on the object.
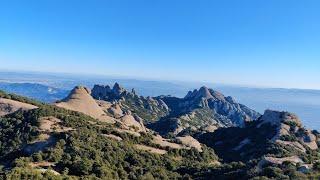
(203, 109)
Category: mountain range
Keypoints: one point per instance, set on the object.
(305, 103)
(113, 133)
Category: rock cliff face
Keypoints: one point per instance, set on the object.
(203, 109)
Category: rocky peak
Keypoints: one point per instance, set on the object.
(202, 108)
(133, 91)
(80, 90)
(204, 93)
(117, 89)
(226, 107)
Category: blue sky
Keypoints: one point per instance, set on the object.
(272, 43)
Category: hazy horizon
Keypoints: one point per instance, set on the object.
(102, 76)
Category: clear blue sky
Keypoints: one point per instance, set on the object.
(251, 42)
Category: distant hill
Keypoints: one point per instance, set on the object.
(36, 91)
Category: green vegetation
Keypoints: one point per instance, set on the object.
(86, 152)
(144, 108)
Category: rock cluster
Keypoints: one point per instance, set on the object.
(129, 100)
(106, 92)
